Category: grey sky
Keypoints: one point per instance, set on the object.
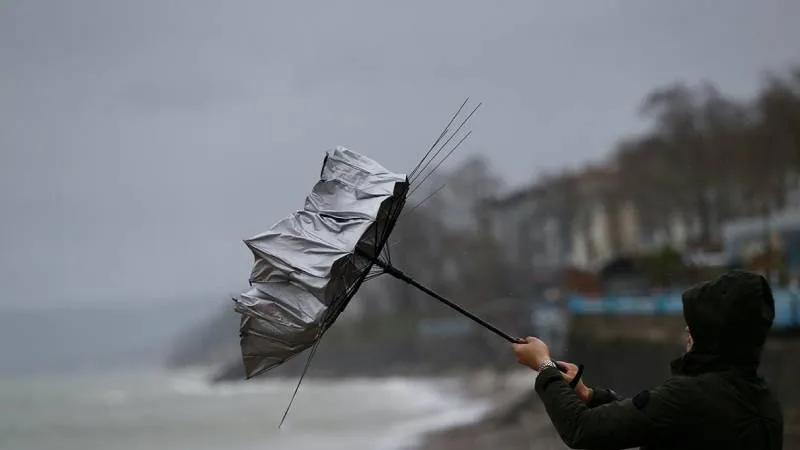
(140, 141)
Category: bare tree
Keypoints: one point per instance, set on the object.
(778, 133)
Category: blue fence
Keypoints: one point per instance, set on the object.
(787, 306)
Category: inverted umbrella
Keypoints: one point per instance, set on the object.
(309, 265)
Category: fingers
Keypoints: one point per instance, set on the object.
(522, 342)
(570, 369)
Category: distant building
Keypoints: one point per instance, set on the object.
(533, 225)
(605, 223)
(746, 238)
(573, 220)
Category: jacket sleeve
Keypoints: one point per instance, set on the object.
(650, 417)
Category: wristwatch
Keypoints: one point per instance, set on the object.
(545, 365)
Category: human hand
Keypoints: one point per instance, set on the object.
(584, 392)
(532, 352)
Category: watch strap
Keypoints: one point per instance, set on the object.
(545, 365)
(550, 363)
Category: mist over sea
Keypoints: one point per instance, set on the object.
(161, 410)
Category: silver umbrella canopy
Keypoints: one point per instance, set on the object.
(309, 265)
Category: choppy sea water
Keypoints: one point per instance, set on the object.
(177, 411)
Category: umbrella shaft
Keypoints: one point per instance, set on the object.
(400, 275)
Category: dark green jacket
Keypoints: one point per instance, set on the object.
(715, 398)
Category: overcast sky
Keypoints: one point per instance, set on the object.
(141, 141)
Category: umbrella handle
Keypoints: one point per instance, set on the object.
(400, 275)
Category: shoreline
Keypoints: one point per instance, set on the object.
(498, 410)
(514, 420)
(509, 413)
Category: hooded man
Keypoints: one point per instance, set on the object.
(714, 400)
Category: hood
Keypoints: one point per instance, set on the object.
(729, 318)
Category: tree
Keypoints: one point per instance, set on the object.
(778, 134)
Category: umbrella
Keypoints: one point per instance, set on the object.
(309, 265)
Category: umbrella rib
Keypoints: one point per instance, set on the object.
(428, 197)
(461, 125)
(432, 171)
(336, 305)
(387, 252)
(394, 214)
(441, 135)
(429, 161)
(423, 164)
(372, 276)
(377, 250)
(300, 380)
(435, 143)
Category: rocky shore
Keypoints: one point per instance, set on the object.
(517, 422)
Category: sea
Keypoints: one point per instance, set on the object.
(161, 410)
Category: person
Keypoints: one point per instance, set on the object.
(715, 398)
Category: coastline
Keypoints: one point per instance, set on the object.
(515, 420)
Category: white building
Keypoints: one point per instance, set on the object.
(533, 226)
(747, 237)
